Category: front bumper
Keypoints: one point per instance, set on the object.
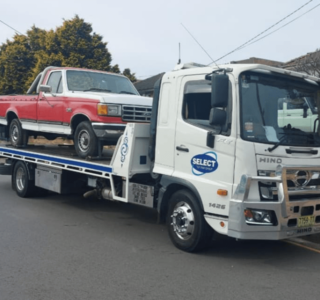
(287, 209)
(108, 132)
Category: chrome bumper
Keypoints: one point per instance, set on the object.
(108, 132)
(287, 211)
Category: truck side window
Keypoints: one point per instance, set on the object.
(197, 105)
(55, 82)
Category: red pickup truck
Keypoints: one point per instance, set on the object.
(90, 106)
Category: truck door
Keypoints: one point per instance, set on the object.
(51, 106)
(207, 169)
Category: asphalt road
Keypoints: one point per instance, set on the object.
(67, 247)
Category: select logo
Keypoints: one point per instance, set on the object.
(204, 163)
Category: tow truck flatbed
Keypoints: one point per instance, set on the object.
(61, 157)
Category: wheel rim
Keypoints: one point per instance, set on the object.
(20, 179)
(15, 134)
(183, 221)
(84, 140)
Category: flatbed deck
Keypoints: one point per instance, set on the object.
(61, 157)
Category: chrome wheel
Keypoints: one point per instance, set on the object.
(14, 134)
(20, 179)
(183, 221)
(84, 140)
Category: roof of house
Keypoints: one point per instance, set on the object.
(301, 59)
(257, 60)
(147, 84)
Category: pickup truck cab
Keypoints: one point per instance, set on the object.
(89, 106)
(301, 113)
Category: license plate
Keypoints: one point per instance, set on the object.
(306, 221)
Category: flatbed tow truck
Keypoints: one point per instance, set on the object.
(215, 157)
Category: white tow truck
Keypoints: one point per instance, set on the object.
(216, 157)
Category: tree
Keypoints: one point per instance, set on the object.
(16, 61)
(131, 76)
(309, 63)
(73, 44)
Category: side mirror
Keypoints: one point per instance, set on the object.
(217, 117)
(220, 90)
(45, 88)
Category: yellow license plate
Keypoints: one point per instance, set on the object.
(306, 221)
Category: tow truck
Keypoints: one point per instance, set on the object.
(215, 157)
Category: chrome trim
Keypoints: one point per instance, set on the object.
(108, 124)
(131, 113)
(259, 224)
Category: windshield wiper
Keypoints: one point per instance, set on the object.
(125, 92)
(275, 146)
(97, 89)
(286, 136)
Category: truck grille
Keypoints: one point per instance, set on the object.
(136, 113)
(300, 184)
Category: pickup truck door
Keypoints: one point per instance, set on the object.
(51, 106)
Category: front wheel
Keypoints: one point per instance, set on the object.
(17, 135)
(186, 225)
(85, 140)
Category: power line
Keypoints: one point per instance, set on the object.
(11, 28)
(241, 46)
(200, 44)
(280, 27)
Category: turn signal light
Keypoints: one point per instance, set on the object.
(248, 214)
(102, 109)
(222, 192)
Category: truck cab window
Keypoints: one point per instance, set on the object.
(55, 82)
(278, 110)
(197, 105)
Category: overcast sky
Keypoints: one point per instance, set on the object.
(144, 35)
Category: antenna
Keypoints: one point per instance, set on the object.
(201, 46)
(179, 61)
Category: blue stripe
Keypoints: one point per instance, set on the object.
(59, 160)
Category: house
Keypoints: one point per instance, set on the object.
(256, 60)
(308, 63)
(145, 87)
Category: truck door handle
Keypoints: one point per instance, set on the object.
(184, 149)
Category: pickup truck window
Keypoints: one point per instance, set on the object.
(55, 82)
(275, 109)
(99, 82)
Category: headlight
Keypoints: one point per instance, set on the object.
(109, 110)
(260, 217)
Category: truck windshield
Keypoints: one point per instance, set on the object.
(99, 82)
(278, 110)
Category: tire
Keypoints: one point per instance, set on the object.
(85, 140)
(20, 181)
(187, 228)
(17, 135)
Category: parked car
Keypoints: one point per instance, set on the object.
(91, 107)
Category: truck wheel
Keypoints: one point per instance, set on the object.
(20, 180)
(85, 140)
(188, 230)
(17, 135)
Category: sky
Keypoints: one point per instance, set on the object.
(144, 35)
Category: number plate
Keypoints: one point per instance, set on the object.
(306, 221)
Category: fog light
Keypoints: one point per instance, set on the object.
(258, 217)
